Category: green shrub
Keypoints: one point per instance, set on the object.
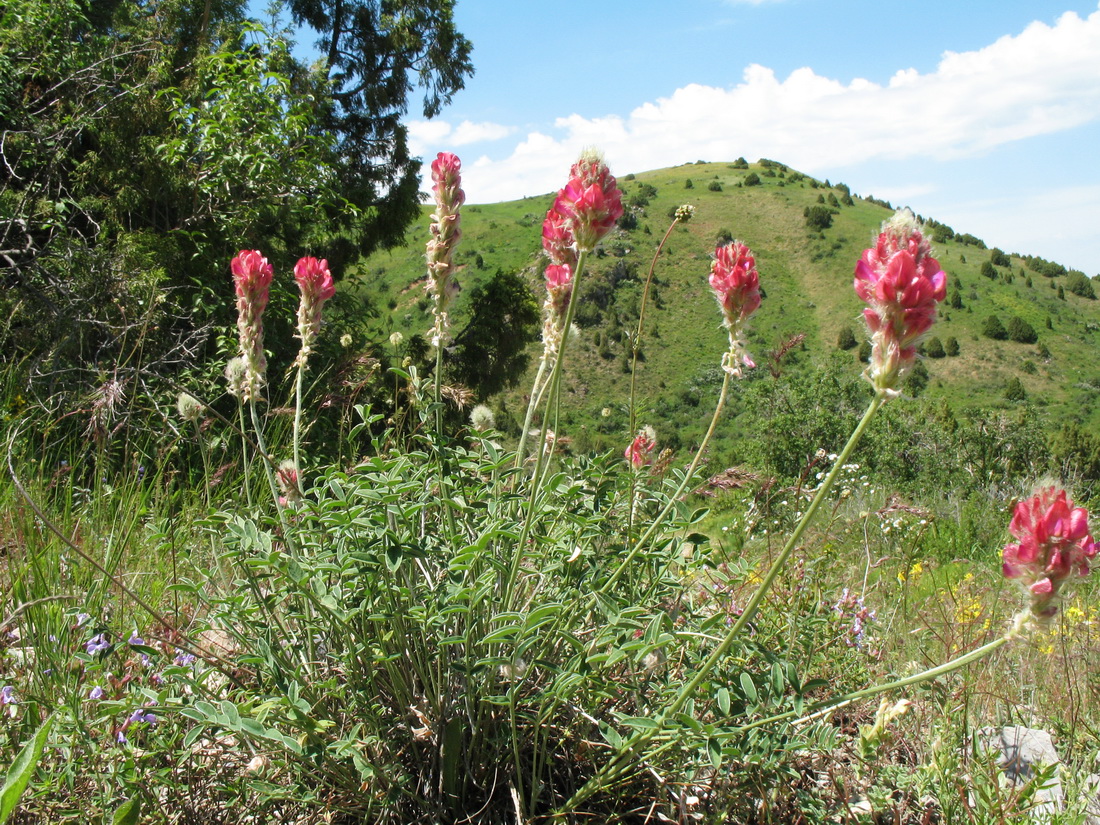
(714, 186)
(999, 258)
(740, 163)
(989, 271)
(818, 217)
(688, 184)
(752, 179)
(1079, 284)
(846, 339)
(993, 328)
(1021, 331)
(951, 346)
(1014, 390)
(934, 348)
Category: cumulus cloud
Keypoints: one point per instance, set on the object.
(426, 134)
(1042, 80)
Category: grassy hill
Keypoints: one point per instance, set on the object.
(805, 273)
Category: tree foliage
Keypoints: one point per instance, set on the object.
(146, 142)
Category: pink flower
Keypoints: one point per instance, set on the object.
(252, 276)
(735, 282)
(449, 197)
(641, 448)
(590, 201)
(314, 279)
(286, 475)
(902, 284)
(316, 286)
(1054, 544)
(736, 285)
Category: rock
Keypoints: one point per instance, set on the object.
(1021, 752)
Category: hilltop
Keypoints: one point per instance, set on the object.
(807, 235)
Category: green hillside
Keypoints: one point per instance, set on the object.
(805, 273)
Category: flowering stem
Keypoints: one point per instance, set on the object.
(641, 321)
(298, 418)
(552, 381)
(246, 464)
(640, 738)
(875, 690)
(265, 459)
(635, 343)
(657, 522)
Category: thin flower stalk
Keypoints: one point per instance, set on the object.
(584, 210)
(683, 215)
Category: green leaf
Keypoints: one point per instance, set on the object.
(723, 700)
(714, 751)
(21, 770)
(640, 722)
(748, 687)
(127, 813)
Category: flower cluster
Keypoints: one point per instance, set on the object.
(584, 210)
(850, 607)
(1053, 544)
(316, 286)
(590, 201)
(252, 276)
(640, 451)
(736, 285)
(901, 283)
(449, 197)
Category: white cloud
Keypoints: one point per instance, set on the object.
(1042, 80)
(428, 135)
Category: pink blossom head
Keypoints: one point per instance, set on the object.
(590, 201)
(314, 279)
(1054, 545)
(447, 180)
(640, 451)
(446, 232)
(736, 285)
(316, 286)
(735, 282)
(902, 285)
(252, 276)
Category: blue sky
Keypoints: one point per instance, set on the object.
(984, 114)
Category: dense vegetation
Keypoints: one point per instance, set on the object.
(398, 568)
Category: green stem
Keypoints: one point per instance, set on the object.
(246, 463)
(875, 690)
(659, 521)
(553, 382)
(641, 738)
(298, 418)
(641, 321)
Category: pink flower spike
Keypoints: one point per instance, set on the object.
(314, 279)
(446, 232)
(1053, 544)
(590, 201)
(252, 276)
(902, 285)
(641, 449)
(736, 285)
(316, 286)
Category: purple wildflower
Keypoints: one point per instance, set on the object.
(96, 693)
(7, 695)
(97, 644)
